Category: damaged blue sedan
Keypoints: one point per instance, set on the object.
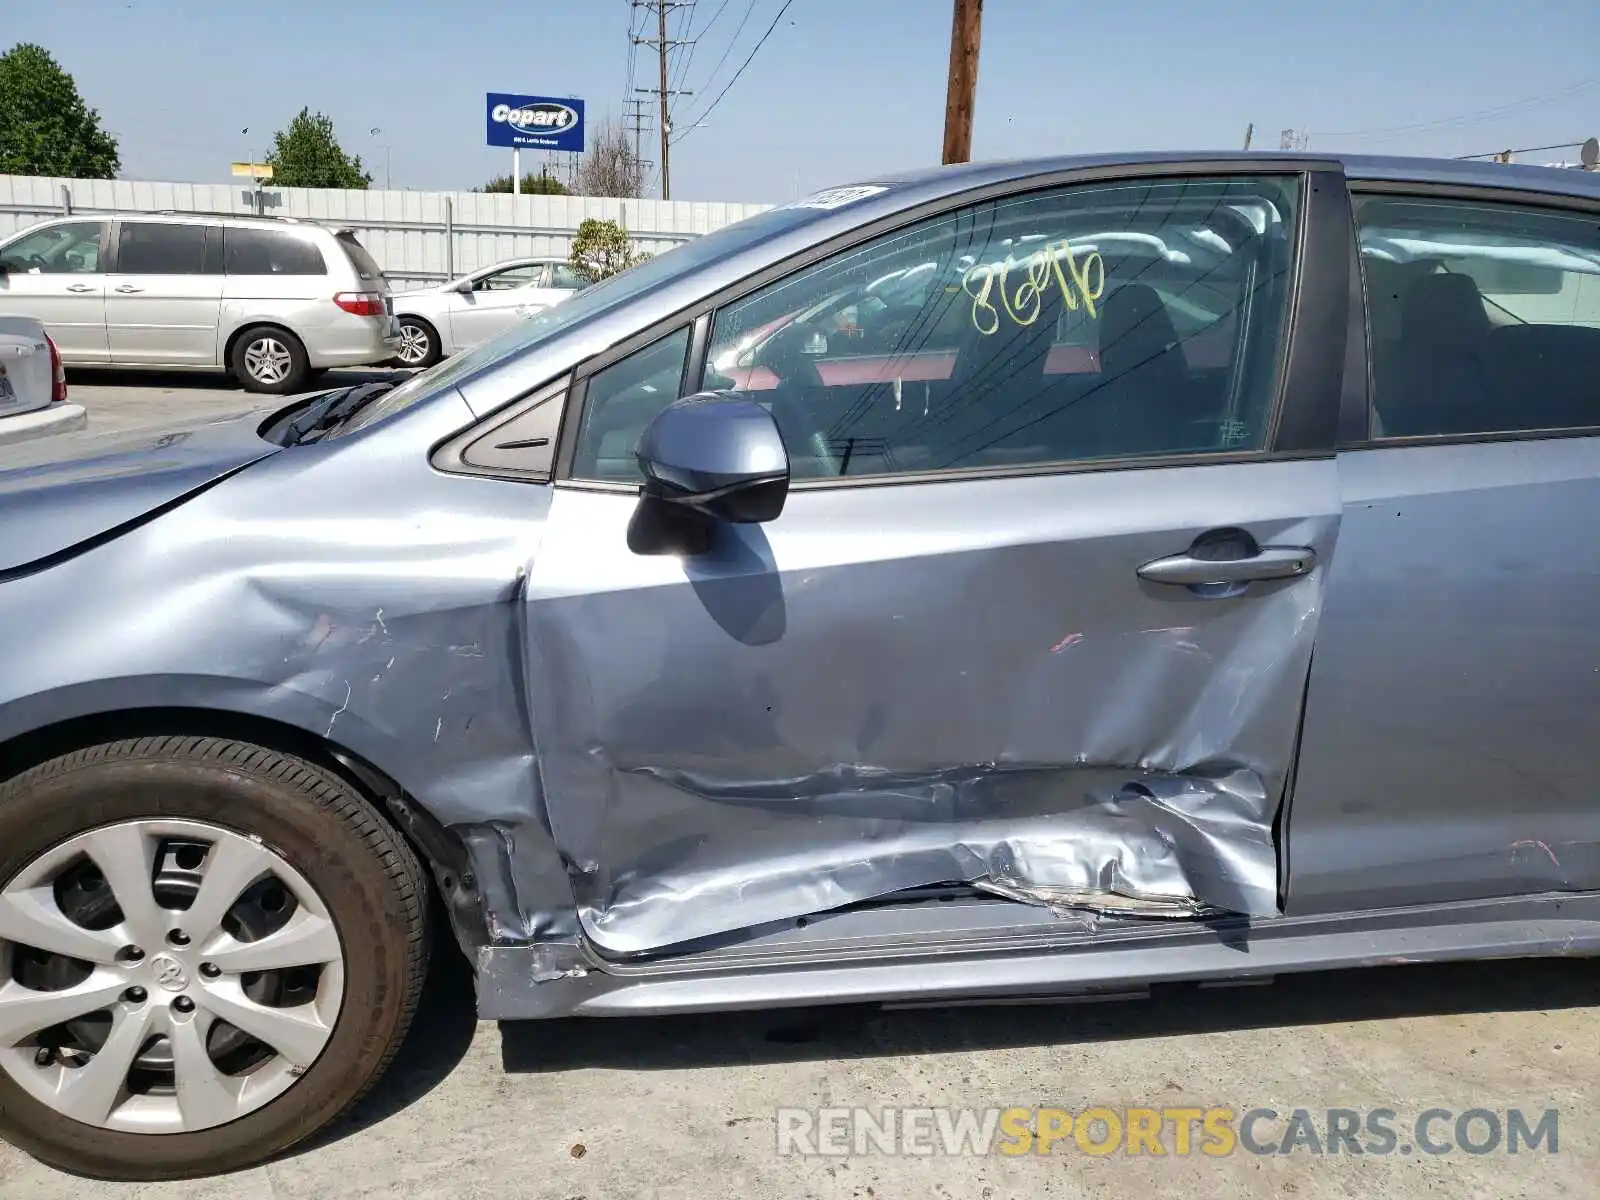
(1027, 579)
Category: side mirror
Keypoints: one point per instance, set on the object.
(5, 268)
(710, 457)
(466, 287)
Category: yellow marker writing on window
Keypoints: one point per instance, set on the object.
(1081, 282)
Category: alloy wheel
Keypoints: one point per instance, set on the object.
(164, 976)
(414, 345)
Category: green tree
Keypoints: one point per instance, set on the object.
(532, 185)
(602, 249)
(45, 127)
(308, 155)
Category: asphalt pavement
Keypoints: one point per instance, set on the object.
(689, 1107)
(120, 400)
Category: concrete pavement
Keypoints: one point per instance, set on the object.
(684, 1107)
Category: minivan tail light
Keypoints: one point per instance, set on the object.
(360, 304)
(58, 374)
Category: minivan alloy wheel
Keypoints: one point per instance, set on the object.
(164, 976)
(268, 360)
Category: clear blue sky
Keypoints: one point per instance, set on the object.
(843, 88)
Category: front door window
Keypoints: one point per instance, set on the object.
(1108, 321)
(69, 249)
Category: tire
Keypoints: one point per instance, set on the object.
(419, 345)
(332, 859)
(269, 360)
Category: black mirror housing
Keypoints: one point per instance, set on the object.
(713, 456)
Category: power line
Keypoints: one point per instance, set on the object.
(702, 116)
(633, 48)
(1522, 150)
(733, 41)
(696, 40)
(714, 17)
(684, 24)
(1509, 106)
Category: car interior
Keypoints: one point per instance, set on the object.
(1484, 335)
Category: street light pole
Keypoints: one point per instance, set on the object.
(384, 147)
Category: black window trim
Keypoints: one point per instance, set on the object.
(449, 455)
(1509, 197)
(1310, 372)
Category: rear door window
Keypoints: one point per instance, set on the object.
(269, 252)
(157, 248)
(567, 279)
(366, 266)
(1485, 317)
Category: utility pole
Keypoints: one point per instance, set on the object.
(963, 81)
(1249, 134)
(663, 93)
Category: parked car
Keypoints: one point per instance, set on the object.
(1195, 579)
(269, 299)
(31, 376)
(461, 313)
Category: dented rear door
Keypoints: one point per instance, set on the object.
(1042, 628)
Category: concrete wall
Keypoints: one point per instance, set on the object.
(417, 237)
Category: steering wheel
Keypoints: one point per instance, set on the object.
(798, 379)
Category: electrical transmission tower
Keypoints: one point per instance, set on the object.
(638, 120)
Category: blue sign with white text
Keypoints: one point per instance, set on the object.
(538, 122)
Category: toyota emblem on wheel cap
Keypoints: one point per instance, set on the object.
(169, 973)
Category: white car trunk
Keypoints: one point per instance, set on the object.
(26, 376)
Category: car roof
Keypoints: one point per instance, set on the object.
(519, 262)
(184, 217)
(1357, 167)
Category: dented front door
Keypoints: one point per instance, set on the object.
(1066, 686)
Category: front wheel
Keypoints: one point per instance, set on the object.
(269, 360)
(208, 951)
(419, 343)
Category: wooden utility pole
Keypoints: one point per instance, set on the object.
(663, 94)
(963, 81)
(666, 165)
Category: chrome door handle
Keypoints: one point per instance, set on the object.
(80, 287)
(125, 288)
(1269, 562)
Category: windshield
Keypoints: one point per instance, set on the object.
(591, 302)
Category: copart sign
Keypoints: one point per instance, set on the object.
(540, 122)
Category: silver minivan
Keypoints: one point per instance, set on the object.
(269, 299)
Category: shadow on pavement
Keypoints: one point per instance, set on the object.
(724, 1039)
(440, 1036)
(213, 381)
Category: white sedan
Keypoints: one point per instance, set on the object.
(30, 368)
(457, 315)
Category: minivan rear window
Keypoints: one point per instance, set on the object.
(269, 252)
(366, 266)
